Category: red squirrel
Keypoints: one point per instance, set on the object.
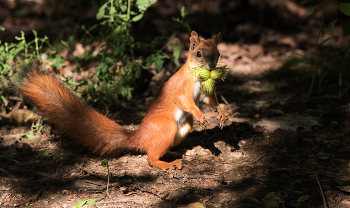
(166, 124)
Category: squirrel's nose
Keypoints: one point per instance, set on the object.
(212, 65)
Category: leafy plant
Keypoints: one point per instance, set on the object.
(333, 64)
(118, 67)
(345, 9)
(300, 200)
(24, 51)
(35, 127)
(104, 164)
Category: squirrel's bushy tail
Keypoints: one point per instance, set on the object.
(72, 116)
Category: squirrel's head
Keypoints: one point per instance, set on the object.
(203, 52)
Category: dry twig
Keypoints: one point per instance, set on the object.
(324, 200)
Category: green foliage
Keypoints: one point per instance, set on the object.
(176, 54)
(35, 127)
(300, 200)
(345, 8)
(88, 202)
(104, 164)
(3, 99)
(45, 153)
(25, 51)
(333, 63)
(118, 67)
(31, 136)
(303, 198)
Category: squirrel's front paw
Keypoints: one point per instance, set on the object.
(201, 122)
(221, 121)
(221, 117)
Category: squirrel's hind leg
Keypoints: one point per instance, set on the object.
(159, 142)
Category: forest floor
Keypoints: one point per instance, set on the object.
(276, 148)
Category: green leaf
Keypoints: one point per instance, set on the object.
(333, 23)
(112, 10)
(117, 30)
(80, 203)
(56, 61)
(109, 59)
(101, 68)
(312, 9)
(65, 43)
(176, 54)
(158, 63)
(345, 8)
(176, 19)
(93, 27)
(104, 163)
(275, 199)
(32, 137)
(261, 102)
(303, 198)
(289, 64)
(183, 13)
(90, 202)
(45, 153)
(2, 29)
(3, 170)
(137, 18)
(90, 88)
(142, 5)
(3, 99)
(101, 11)
(304, 2)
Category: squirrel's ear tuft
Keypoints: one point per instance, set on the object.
(217, 38)
(194, 40)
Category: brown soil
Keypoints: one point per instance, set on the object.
(273, 144)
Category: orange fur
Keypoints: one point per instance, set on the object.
(165, 125)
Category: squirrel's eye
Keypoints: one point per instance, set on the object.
(219, 54)
(199, 54)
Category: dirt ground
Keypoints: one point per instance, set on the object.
(274, 149)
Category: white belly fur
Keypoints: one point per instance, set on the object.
(181, 116)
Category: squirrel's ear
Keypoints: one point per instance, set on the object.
(194, 40)
(217, 38)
